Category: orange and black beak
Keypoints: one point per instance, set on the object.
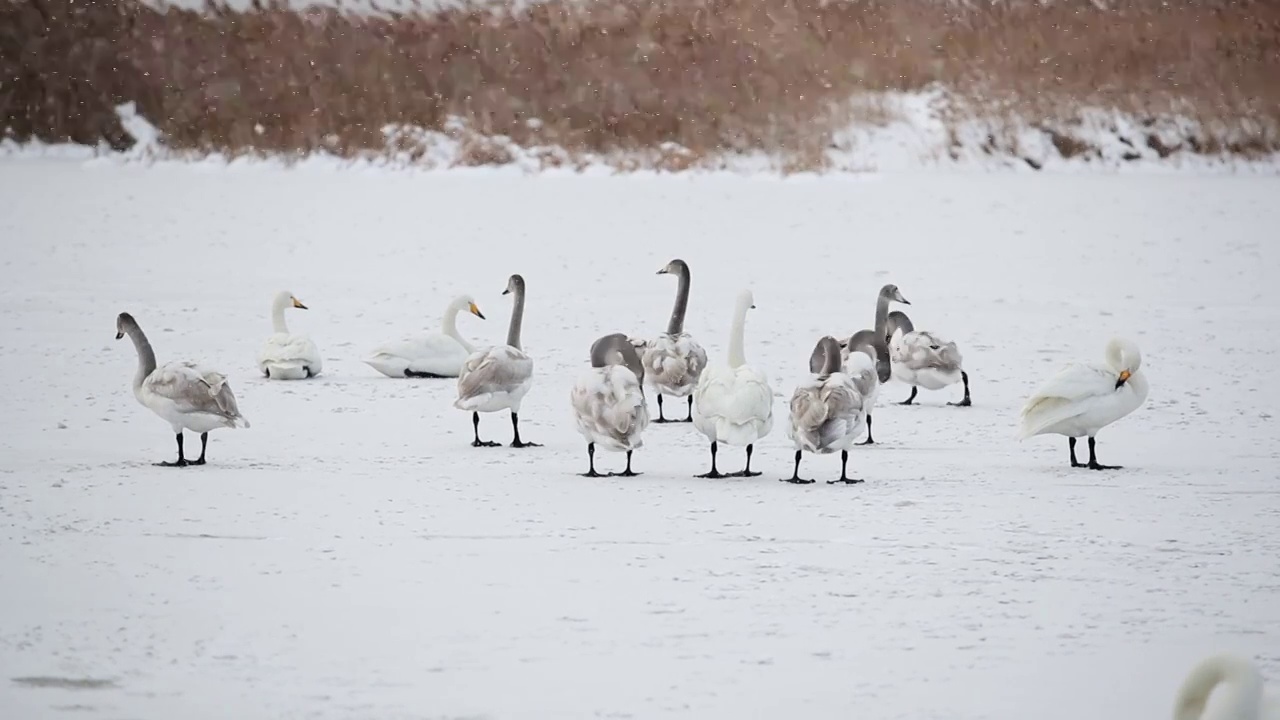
(298, 304)
(1124, 377)
(476, 311)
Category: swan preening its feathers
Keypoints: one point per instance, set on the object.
(287, 356)
(498, 377)
(438, 355)
(673, 361)
(829, 411)
(608, 401)
(186, 395)
(1083, 398)
(1236, 686)
(733, 403)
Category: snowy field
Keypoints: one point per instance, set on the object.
(351, 556)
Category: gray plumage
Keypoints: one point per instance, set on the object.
(827, 411)
(617, 349)
(498, 377)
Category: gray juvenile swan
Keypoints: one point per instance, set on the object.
(827, 411)
(608, 401)
(183, 393)
(921, 359)
(873, 343)
(674, 361)
(498, 377)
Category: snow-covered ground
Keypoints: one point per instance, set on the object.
(351, 556)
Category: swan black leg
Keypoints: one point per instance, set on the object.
(515, 430)
(204, 444)
(689, 419)
(795, 478)
(1071, 444)
(181, 461)
(844, 475)
(591, 461)
(628, 472)
(908, 401)
(746, 472)
(661, 418)
(475, 424)
(714, 472)
(415, 374)
(870, 440)
(965, 402)
(1093, 460)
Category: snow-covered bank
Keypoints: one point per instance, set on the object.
(351, 556)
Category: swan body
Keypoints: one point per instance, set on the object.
(673, 361)
(925, 360)
(497, 378)
(828, 411)
(436, 355)
(184, 394)
(1083, 398)
(608, 400)
(1237, 685)
(733, 402)
(286, 355)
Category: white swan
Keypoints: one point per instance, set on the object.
(733, 403)
(287, 356)
(828, 411)
(673, 361)
(438, 355)
(1237, 685)
(1083, 398)
(608, 401)
(498, 377)
(184, 394)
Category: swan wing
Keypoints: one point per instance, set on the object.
(286, 348)
(195, 389)
(609, 406)
(921, 350)
(500, 369)
(1066, 395)
(733, 405)
(673, 364)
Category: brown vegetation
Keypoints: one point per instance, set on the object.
(595, 76)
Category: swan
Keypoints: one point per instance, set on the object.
(287, 356)
(1239, 687)
(919, 359)
(673, 361)
(828, 410)
(873, 343)
(185, 394)
(866, 361)
(498, 377)
(608, 401)
(733, 403)
(438, 355)
(1083, 398)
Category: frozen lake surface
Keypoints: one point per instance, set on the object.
(351, 556)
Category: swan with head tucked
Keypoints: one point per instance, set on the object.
(1083, 398)
(1236, 685)
(186, 395)
(286, 355)
(608, 401)
(828, 411)
(920, 359)
(438, 355)
(673, 361)
(498, 377)
(733, 403)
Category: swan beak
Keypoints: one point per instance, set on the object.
(119, 335)
(663, 271)
(298, 304)
(507, 291)
(476, 311)
(1124, 376)
(903, 300)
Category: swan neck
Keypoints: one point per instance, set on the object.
(831, 357)
(449, 321)
(737, 358)
(676, 325)
(882, 314)
(146, 356)
(277, 315)
(517, 318)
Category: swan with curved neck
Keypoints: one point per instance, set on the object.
(733, 403)
(608, 401)
(1237, 685)
(917, 358)
(871, 343)
(1083, 398)
(184, 394)
(827, 410)
(498, 377)
(285, 355)
(674, 360)
(435, 355)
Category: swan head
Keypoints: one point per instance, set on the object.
(284, 298)
(746, 301)
(1124, 357)
(675, 267)
(468, 302)
(124, 321)
(515, 284)
(892, 292)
